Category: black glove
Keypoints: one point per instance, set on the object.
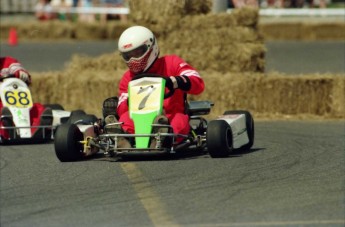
(180, 82)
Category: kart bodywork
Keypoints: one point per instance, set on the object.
(233, 130)
(16, 98)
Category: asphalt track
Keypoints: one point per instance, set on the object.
(293, 176)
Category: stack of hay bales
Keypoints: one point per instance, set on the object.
(227, 50)
(265, 96)
(277, 94)
(303, 30)
(63, 30)
(221, 42)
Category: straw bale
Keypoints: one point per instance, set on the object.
(72, 90)
(323, 31)
(278, 94)
(47, 31)
(96, 31)
(263, 95)
(105, 62)
(215, 21)
(222, 56)
(303, 31)
(90, 32)
(246, 16)
(216, 42)
(279, 31)
(148, 12)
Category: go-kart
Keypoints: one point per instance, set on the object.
(234, 130)
(17, 102)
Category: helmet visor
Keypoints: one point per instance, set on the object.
(135, 53)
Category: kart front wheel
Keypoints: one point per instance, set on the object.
(67, 143)
(219, 139)
(249, 127)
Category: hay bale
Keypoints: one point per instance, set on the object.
(51, 30)
(319, 95)
(90, 31)
(150, 12)
(223, 49)
(263, 95)
(246, 16)
(314, 31)
(85, 90)
(303, 31)
(105, 62)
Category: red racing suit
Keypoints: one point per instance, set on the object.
(174, 106)
(9, 65)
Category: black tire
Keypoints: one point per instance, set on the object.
(249, 126)
(54, 106)
(75, 116)
(87, 119)
(66, 143)
(219, 139)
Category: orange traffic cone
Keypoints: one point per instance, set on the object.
(12, 38)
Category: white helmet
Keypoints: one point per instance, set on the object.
(138, 47)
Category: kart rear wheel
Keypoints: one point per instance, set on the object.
(76, 115)
(86, 119)
(219, 139)
(67, 143)
(249, 126)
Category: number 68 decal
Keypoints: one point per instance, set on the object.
(18, 98)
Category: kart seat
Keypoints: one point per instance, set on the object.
(194, 108)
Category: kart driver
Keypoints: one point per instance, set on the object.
(39, 115)
(139, 48)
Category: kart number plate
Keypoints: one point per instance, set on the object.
(17, 97)
(145, 97)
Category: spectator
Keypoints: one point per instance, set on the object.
(86, 17)
(245, 3)
(63, 6)
(75, 3)
(319, 3)
(114, 4)
(44, 10)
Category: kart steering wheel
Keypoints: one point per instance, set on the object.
(171, 90)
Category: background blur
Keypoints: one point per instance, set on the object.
(279, 59)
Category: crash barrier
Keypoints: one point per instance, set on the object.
(266, 96)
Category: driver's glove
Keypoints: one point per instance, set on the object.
(178, 82)
(24, 76)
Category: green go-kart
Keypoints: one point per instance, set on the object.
(85, 137)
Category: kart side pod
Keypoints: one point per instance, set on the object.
(232, 131)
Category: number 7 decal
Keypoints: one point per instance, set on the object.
(149, 89)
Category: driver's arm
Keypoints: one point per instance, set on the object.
(122, 106)
(11, 66)
(185, 77)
